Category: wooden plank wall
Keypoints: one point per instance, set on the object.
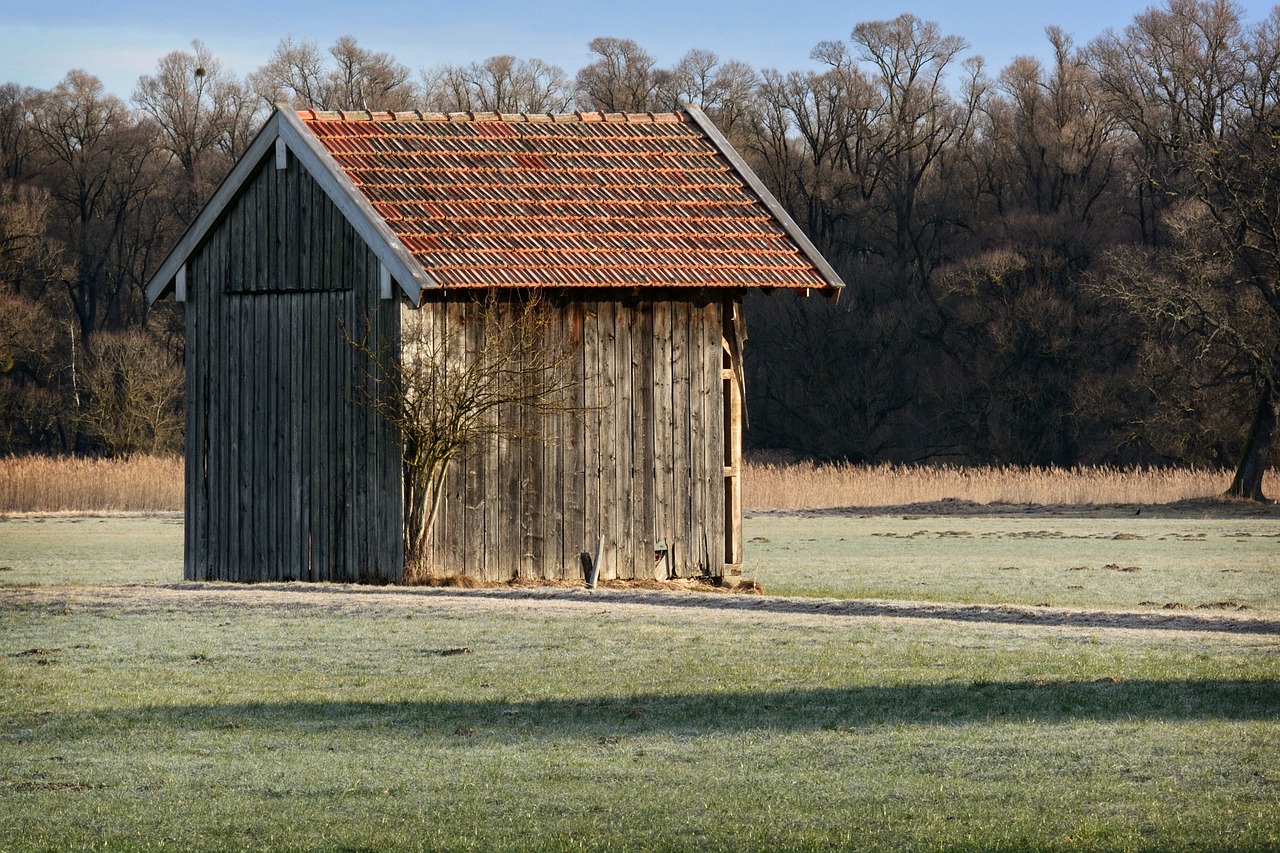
(289, 476)
(643, 462)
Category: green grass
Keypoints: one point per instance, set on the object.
(284, 717)
(88, 549)
(1110, 562)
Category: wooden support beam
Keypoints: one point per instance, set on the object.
(282, 154)
(180, 284)
(733, 426)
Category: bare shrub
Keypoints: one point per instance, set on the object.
(135, 390)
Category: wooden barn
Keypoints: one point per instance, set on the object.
(643, 230)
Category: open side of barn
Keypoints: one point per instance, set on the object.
(641, 461)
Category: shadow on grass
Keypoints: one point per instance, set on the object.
(824, 709)
(1002, 614)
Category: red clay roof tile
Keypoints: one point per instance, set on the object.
(586, 199)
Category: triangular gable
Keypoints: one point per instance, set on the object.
(287, 135)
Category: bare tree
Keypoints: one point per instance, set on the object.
(725, 91)
(354, 78)
(623, 79)
(202, 110)
(1055, 129)
(295, 73)
(370, 80)
(17, 142)
(501, 84)
(444, 395)
(1199, 94)
(101, 167)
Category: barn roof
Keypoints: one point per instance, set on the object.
(578, 200)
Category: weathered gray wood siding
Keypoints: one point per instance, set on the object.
(642, 463)
(289, 476)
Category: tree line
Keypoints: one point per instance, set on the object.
(1059, 262)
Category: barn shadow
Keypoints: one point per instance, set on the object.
(847, 709)
(1201, 620)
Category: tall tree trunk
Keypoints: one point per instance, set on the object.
(1247, 483)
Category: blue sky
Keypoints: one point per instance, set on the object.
(40, 40)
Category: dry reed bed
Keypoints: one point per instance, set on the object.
(75, 485)
(154, 484)
(807, 485)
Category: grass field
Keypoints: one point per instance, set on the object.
(1112, 561)
(137, 715)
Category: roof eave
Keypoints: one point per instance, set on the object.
(833, 280)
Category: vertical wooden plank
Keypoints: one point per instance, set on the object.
(642, 384)
(607, 511)
(474, 499)
(288, 211)
(390, 482)
(266, 215)
(461, 525)
(353, 503)
(698, 462)
(255, 431)
(306, 430)
(235, 382)
(219, 416)
(553, 556)
(239, 383)
(491, 485)
(261, 247)
(267, 499)
(596, 402)
(362, 508)
(330, 458)
(235, 223)
(714, 443)
(339, 455)
(665, 514)
(206, 295)
(573, 449)
(624, 441)
(533, 482)
(680, 439)
(509, 538)
(307, 198)
(295, 532)
(195, 401)
(328, 463)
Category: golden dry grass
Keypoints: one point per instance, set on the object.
(154, 484)
(807, 485)
(75, 485)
